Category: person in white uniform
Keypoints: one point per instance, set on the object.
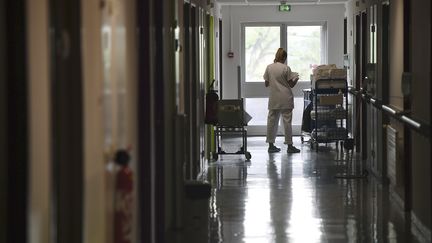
(279, 78)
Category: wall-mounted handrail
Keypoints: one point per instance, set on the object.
(389, 110)
(402, 116)
(411, 122)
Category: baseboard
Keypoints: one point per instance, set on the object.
(202, 175)
(419, 230)
(380, 177)
(397, 199)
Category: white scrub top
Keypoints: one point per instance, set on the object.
(281, 95)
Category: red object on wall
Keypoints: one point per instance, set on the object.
(123, 206)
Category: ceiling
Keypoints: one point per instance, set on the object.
(277, 2)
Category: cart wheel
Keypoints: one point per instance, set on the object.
(215, 156)
(248, 155)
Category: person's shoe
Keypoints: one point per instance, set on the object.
(273, 149)
(291, 149)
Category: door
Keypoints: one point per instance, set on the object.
(372, 82)
(188, 87)
(146, 162)
(357, 83)
(67, 121)
(3, 128)
(361, 54)
(203, 70)
(304, 43)
(363, 81)
(383, 86)
(14, 137)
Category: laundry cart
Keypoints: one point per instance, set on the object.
(232, 120)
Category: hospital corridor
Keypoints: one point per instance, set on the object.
(215, 121)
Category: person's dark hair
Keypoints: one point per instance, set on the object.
(122, 157)
(281, 55)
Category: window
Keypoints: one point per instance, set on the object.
(304, 49)
(260, 45)
(304, 44)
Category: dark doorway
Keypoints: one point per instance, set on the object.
(364, 54)
(189, 100)
(384, 86)
(345, 41)
(220, 59)
(67, 121)
(159, 111)
(195, 91)
(13, 122)
(385, 55)
(145, 123)
(407, 107)
(3, 126)
(357, 81)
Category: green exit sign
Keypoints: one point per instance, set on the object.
(284, 8)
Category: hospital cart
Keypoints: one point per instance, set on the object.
(232, 120)
(330, 101)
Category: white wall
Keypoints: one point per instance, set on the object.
(119, 17)
(95, 224)
(131, 106)
(94, 167)
(234, 16)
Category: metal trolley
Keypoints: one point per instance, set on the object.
(231, 120)
(330, 113)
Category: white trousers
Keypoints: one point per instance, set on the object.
(273, 123)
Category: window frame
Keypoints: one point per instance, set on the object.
(283, 41)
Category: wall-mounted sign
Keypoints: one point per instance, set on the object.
(284, 8)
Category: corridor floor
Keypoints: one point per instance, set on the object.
(278, 198)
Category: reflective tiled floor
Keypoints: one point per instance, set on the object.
(296, 198)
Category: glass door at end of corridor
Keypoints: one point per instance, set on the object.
(304, 45)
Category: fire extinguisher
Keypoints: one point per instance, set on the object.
(211, 111)
(123, 199)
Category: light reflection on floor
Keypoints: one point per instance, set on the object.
(281, 198)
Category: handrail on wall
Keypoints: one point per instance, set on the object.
(402, 116)
(389, 110)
